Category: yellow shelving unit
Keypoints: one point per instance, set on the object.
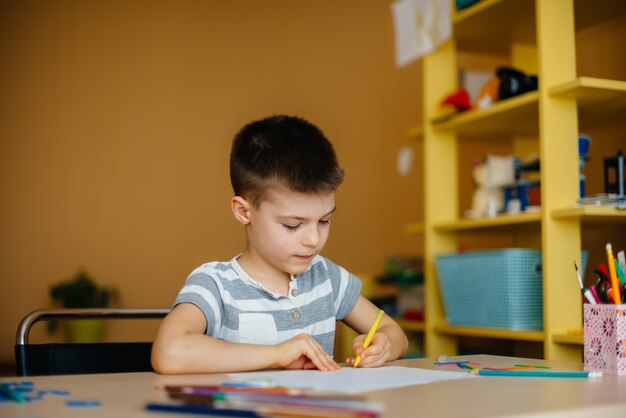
(410, 325)
(598, 99)
(499, 119)
(592, 214)
(551, 116)
(444, 328)
(568, 339)
(480, 223)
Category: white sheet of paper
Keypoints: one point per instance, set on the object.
(351, 380)
(419, 27)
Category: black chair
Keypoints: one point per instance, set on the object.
(83, 358)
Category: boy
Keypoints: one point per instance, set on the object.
(274, 305)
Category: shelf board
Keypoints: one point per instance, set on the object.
(416, 228)
(599, 99)
(515, 116)
(410, 325)
(498, 221)
(568, 339)
(592, 214)
(491, 26)
(505, 334)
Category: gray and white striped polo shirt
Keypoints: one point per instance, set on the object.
(240, 309)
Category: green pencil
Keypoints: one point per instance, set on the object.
(533, 366)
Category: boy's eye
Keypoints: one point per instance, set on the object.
(325, 221)
(291, 227)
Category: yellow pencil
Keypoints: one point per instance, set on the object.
(614, 283)
(370, 335)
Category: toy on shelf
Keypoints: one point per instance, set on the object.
(490, 175)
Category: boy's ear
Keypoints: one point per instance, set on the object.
(241, 209)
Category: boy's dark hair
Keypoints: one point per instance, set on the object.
(286, 150)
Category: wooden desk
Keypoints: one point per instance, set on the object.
(124, 395)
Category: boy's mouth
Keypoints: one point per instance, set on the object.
(304, 257)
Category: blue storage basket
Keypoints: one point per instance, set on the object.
(497, 289)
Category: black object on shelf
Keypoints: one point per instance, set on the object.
(614, 174)
(514, 82)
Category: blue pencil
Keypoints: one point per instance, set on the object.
(202, 410)
(533, 373)
(439, 363)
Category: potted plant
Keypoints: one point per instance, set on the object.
(81, 291)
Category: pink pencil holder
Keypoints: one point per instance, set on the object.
(605, 338)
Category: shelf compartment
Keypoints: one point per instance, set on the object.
(515, 116)
(501, 22)
(447, 329)
(592, 214)
(588, 13)
(505, 22)
(599, 99)
(480, 223)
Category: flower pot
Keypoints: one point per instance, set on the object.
(85, 330)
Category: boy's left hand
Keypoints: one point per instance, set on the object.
(377, 354)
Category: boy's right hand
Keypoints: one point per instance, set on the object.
(303, 352)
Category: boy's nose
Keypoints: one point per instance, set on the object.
(312, 237)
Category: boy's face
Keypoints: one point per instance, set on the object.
(289, 228)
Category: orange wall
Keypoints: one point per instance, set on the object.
(115, 125)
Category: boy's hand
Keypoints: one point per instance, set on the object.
(377, 354)
(303, 352)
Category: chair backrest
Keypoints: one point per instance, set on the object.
(81, 358)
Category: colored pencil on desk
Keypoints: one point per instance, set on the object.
(301, 407)
(270, 402)
(261, 383)
(442, 363)
(295, 400)
(211, 390)
(530, 373)
(176, 391)
(250, 405)
(202, 410)
(533, 366)
(344, 402)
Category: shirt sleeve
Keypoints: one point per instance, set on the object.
(346, 289)
(202, 290)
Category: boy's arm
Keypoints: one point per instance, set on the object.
(389, 342)
(182, 347)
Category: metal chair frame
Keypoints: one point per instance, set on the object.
(81, 358)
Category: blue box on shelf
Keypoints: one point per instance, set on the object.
(495, 289)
